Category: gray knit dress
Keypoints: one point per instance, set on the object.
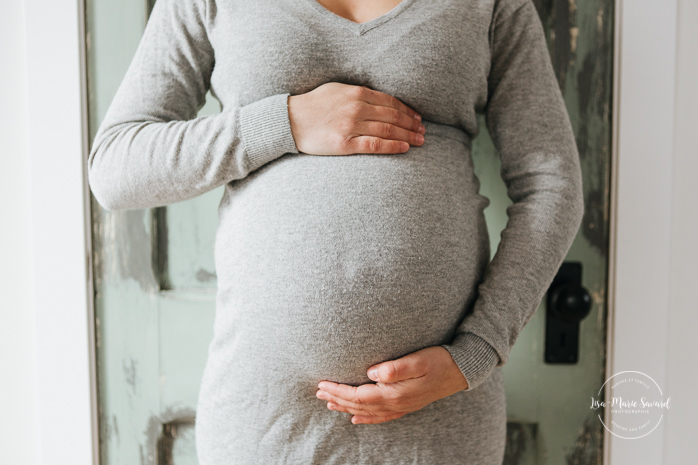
(327, 265)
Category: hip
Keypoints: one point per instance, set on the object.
(468, 427)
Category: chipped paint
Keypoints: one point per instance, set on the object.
(601, 318)
(122, 245)
(130, 373)
(143, 455)
(521, 447)
(573, 6)
(115, 427)
(588, 448)
(594, 134)
(167, 425)
(152, 435)
(205, 276)
(183, 236)
(564, 21)
(574, 32)
(597, 296)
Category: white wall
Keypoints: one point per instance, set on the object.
(18, 395)
(682, 368)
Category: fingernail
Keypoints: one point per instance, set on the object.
(373, 374)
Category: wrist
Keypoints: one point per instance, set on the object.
(265, 130)
(474, 356)
(455, 376)
(293, 119)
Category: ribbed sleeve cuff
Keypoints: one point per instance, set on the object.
(266, 130)
(475, 358)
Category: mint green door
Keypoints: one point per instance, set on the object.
(155, 278)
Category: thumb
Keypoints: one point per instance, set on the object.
(391, 371)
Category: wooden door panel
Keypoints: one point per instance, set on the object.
(186, 329)
(155, 280)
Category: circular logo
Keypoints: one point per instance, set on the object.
(637, 404)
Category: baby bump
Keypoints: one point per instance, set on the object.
(329, 264)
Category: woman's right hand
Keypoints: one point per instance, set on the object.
(343, 119)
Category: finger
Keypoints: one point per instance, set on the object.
(389, 131)
(390, 115)
(326, 396)
(365, 394)
(371, 144)
(375, 407)
(360, 412)
(377, 97)
(392, 371)
(360, 419)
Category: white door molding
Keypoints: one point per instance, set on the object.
(640, 239)
(58, 136)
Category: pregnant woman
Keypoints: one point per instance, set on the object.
(351, 232)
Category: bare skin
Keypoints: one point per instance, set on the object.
(342, 119)
(403, 385)
(359, 11)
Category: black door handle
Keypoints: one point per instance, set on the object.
(570, 302)
(567, 304)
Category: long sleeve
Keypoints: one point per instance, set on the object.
(151, 149)
(530, 127)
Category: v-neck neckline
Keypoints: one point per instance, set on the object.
(360, 28)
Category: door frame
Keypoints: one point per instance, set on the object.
(639, 257)
(57, 151)
(645, 32)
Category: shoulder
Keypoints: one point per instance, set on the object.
(502, 9)
(511, 17)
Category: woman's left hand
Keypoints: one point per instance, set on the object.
(403, 385)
